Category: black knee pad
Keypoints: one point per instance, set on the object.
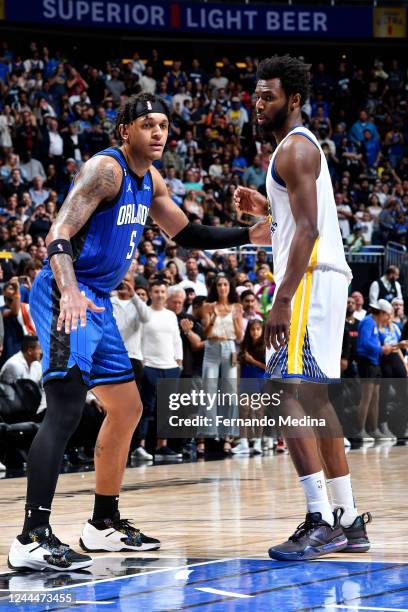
(66, 400)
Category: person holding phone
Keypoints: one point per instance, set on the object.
(223, 327)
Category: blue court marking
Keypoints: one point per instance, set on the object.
(263, 586)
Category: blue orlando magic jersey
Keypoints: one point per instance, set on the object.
(104, 247)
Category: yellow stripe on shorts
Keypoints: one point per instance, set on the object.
(297, 330)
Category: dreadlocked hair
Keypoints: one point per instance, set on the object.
(293, 73)
(128, 110)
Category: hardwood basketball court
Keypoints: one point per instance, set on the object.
(216, 521)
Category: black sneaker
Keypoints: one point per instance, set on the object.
(356, 534)
(164, 453)
(41, 550)
(312, 539)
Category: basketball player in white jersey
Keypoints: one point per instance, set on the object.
(304, 330)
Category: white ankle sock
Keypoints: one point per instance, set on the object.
(314, 487)
(341, 495)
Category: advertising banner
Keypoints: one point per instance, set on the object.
(198, 18)
(390, 22)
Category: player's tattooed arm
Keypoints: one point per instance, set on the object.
(99, 179)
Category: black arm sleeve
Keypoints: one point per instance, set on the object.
(346, 346)
(195, 236)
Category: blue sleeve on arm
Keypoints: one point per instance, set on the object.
(364, 329)
(368, 343)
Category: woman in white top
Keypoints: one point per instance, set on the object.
(5, 136)
(223, 326)
(374, 208)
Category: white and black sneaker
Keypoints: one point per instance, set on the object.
(141, 454)
(386, 433)
(116, 535)
(42, 550)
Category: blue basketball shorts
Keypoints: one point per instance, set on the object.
(97, 349)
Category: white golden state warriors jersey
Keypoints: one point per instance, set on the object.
(328, 252)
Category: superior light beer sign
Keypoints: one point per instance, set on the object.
(199, 18)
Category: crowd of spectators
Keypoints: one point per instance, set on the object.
(55, 114)
(375, 350)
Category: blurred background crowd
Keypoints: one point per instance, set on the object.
(194, 313)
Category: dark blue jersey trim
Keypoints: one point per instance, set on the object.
(275, 175)
(115, 381)
(308, 137)
(139, 179)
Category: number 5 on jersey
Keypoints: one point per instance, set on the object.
(132, 245)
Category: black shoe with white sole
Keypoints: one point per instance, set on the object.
(42, 550)
(164, 453)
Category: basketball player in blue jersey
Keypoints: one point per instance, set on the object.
(305, 327)
(90, 247)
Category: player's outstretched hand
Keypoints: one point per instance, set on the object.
(250, 201)
(277, 325)
(73, 306)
